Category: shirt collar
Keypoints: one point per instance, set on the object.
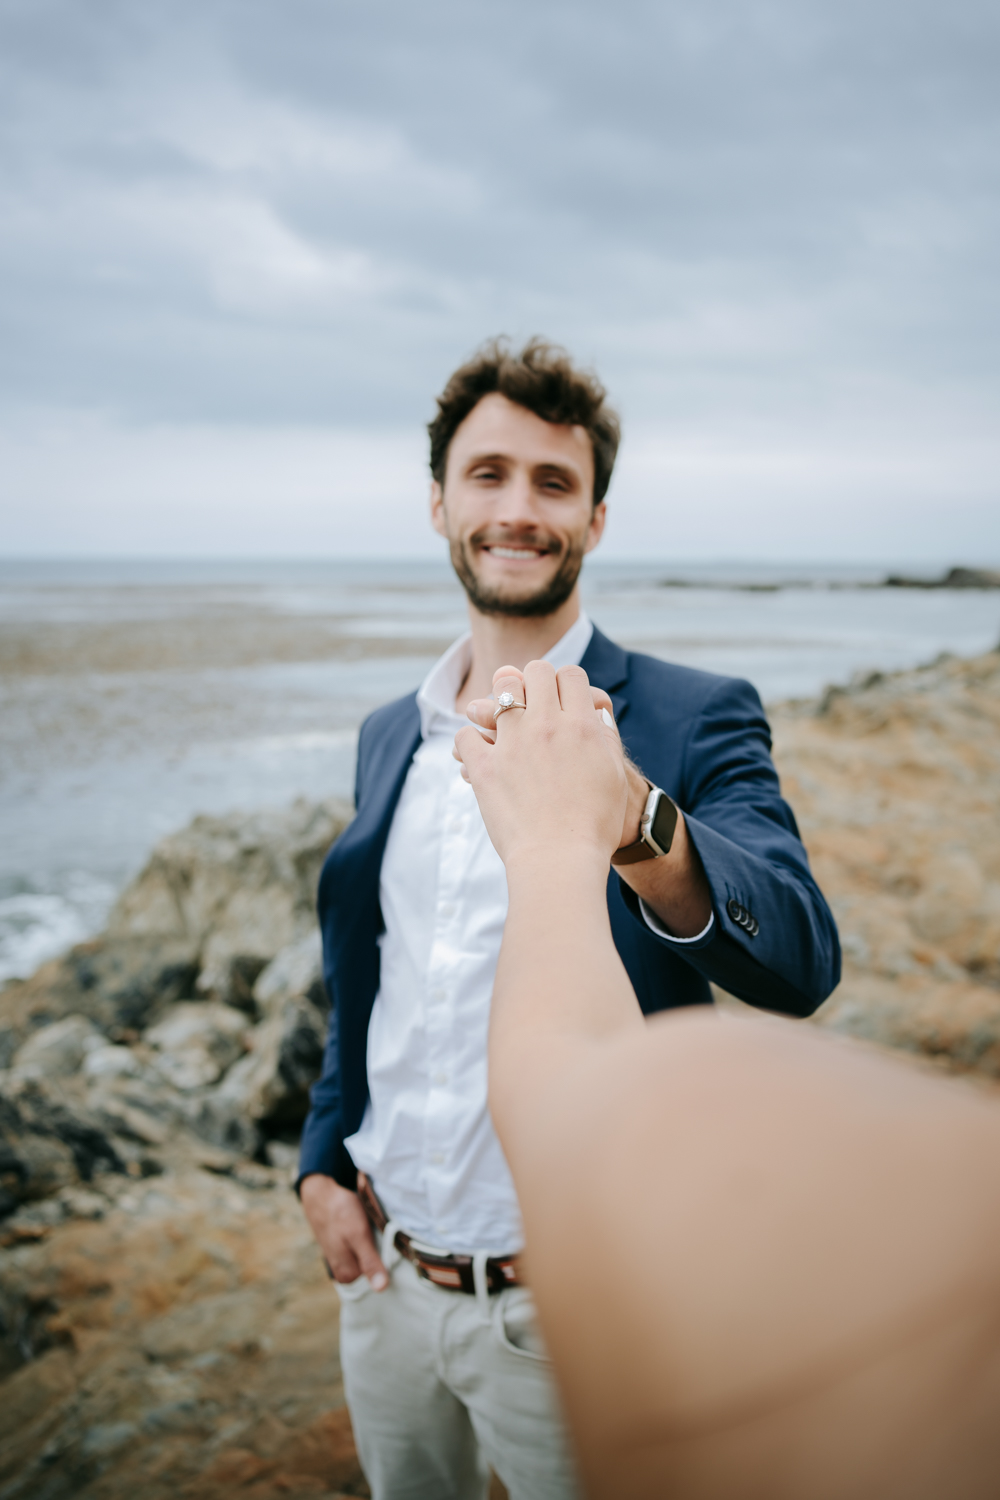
(436, 695)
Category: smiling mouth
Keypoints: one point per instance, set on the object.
(517, 554)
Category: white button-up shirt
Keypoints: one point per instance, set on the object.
(427, 1140)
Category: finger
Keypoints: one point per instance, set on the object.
(574, 691)
(480, 711)
(344, 1265)
(541, 691)
(504, 673)
(369, 1260)
(470, 750)
(506, 680)
(604, 706)
(490, 739)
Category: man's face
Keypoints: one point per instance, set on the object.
(517, 508)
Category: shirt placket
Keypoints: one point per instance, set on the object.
(444, 981)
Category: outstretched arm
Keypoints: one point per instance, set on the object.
(805, 1296)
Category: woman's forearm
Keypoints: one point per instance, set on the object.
(561, 990)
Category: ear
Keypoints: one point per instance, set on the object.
(438, 518)
(596, 530)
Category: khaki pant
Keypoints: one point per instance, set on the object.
(440, 1384)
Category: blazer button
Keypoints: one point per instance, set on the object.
(736, 911)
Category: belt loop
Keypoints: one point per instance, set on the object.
(388, 1249)
(481, 1282)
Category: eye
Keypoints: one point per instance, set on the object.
(486, 471)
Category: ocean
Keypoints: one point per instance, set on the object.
(136, 694)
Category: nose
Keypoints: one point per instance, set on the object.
(516, 502)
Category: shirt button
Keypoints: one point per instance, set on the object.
(456, 825)
(447, 909)
(437, 1157)
(437, 994)
(440, 1079)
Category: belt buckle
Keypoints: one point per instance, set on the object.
(453, 1273)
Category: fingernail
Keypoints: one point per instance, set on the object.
(380, 1281)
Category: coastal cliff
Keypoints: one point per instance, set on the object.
(166, 1325)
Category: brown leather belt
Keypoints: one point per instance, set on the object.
(452, 1272)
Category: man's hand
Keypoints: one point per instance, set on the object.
(342, 1230)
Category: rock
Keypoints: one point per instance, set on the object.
(282, 1155)
(120, 984)
(271, 1084)
(896, 786)
(57, 1051)
(231, 980)
(79, 1203)
(147, 1121)
(222, 1123)
(241, 888)
(197, 1042)
(296, 972)
(47, 1143)
(184, 1344)
(111, 1062)
(224, 909)
(955, 578)
(971, 578)
(230, 1320)
(107, 1438)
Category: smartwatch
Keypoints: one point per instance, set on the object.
(656, 830)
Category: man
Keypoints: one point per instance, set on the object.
(443, 1365)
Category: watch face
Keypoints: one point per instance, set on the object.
(664, 822)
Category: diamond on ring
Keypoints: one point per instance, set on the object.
(504, 702)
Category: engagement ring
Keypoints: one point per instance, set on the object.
(505, 701)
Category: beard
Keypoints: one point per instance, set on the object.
(494, 601)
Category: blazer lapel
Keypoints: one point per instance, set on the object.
(386, 772)
(351, 874)
(607, 667)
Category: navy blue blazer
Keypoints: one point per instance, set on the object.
(701, 737)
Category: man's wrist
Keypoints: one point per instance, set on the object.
(315, 1179)
(638, 791)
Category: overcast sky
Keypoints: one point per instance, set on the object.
(243, 244)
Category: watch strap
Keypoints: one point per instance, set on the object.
(632, 853)
(642, 848)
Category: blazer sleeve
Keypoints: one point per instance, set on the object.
(322, 1146)
(749, 845)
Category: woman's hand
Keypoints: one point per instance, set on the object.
(481, 710)
(551, 778)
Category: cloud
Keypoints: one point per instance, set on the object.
(772, 226)
(195, 490)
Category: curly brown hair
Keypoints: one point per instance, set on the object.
(543, 379)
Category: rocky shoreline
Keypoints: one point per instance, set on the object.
(165, 1324)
